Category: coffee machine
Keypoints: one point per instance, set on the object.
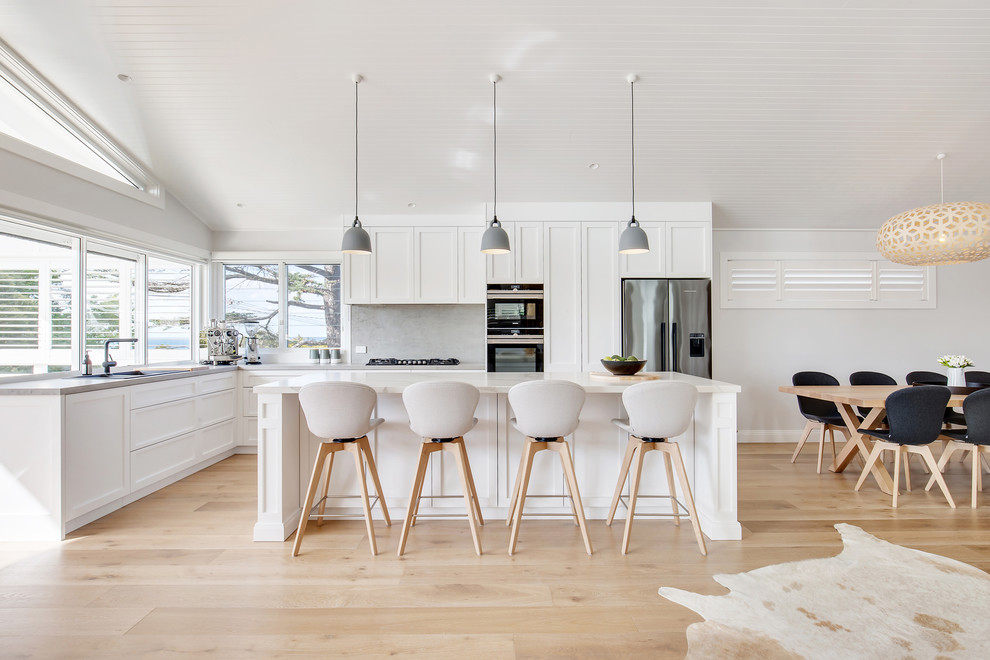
(221, 343)
(250, 342)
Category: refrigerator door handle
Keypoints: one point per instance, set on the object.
(663, 346)
(675, 346)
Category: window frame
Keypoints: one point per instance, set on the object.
(283, 260)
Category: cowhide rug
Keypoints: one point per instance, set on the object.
(873, 600)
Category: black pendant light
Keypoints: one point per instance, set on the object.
(495, 240)
(356, 239)
(633, 239)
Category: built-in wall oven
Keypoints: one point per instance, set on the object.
(515, 327)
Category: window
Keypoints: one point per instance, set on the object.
(823, 281)
(250, 293)
(36, 296)
(169, 311)
(313, 306)
(297, 305)
(111, 306)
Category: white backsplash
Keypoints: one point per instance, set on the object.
(419, 331)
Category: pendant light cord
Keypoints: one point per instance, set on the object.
(632, 140)
(356, 82)
(494, 149)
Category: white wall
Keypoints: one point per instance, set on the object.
(760, 349)
(30, 188)
(287, 240)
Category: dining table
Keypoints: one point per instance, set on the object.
(846, 398)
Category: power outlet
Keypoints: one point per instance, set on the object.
(360, 349)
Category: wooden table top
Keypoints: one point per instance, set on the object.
(868, 396)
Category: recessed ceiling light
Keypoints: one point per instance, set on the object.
(123, 77)
(411, 205)
(593, 166)
(240, 205)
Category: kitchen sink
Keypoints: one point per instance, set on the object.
(127, 374)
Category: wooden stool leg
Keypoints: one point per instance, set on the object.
(804, 438)
(529, 450)
(926, 453)
(976, 473)
(672, 489)
(355, 449)
(675, 451)
(637, 472)
(515, 488)
(470, 478)
(821, 447)
(314, 483)
(463, 468)
(563, 449)
(907, 471)
(623, 473)
(424, 459)
(897, 473)
(366, 447)
(326, 489)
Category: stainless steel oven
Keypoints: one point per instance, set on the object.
(515, 350)
(515, 306)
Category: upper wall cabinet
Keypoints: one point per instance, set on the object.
(524, 264)
(423, 265)
(677, 249)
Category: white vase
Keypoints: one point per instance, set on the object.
(956, 377)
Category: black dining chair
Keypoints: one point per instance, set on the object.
(976, 378)
(869, 378)
(934, 378)
(822, 415)
(914, 418)
(974, 438)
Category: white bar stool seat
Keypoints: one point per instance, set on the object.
(340, 413)
(657, 412)
(545, 412)
(441, 413)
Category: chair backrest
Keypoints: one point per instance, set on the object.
(977, 377)
(976, 409)
(870, 378)
(441, 409)
(914, 414)
(547, 408)
(815, 407)
(659, 409)
(927, 377)
(338, 410)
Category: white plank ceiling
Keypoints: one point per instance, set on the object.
(784, 114)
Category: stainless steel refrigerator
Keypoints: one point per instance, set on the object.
(668, 324)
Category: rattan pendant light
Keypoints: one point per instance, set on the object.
(937, 235)
(495, 240)
(633, 239)
(356, 238)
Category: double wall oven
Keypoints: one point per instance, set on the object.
(515, 327)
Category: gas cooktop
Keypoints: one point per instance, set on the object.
(430, 362)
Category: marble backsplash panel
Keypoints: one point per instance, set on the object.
(419, 331)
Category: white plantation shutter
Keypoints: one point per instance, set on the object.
(19, 318)
(823, 280)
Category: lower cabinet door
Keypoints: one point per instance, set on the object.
(216, 439)
(151, 464)
(95, 465)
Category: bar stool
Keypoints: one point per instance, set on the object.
(546, 411)
(657, 411)
(441, 413)
(340, 413)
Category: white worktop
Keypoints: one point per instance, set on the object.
(488, 383)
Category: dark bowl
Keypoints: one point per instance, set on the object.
(623, 367)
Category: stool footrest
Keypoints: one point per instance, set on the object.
(316, 505)
(680, 505)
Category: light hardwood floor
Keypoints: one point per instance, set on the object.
(177, 573)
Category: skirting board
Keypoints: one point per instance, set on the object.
(789, 437)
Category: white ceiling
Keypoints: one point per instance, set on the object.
(784, 114)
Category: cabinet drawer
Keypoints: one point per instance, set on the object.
(217, 407)
(216, 439)
(205, 385)
(156, 423)
(155, 393)
(164, 459)
(249, 432)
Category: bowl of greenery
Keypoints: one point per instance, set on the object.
(618, 365)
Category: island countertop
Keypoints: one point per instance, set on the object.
(487, 383)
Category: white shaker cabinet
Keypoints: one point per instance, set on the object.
(601, 294)
(647, 264)
(96, 462)
(563, 299)
(677, 249)
(524, 262)
(435, 264)
(470, 266)
(392, 265)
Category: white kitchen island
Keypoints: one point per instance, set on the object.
(286, 452)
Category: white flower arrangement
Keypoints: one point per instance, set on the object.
(955, 361)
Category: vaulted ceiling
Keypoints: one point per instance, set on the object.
(784, 114)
